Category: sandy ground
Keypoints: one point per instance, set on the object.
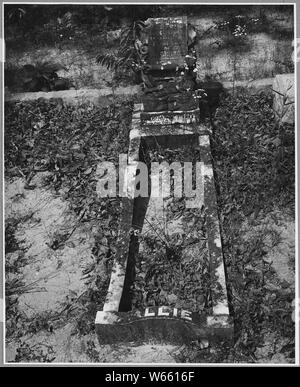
(55, 281)
(56, 273)
(54, 278)
(81, 67)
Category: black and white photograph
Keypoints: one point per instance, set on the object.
(149, 185)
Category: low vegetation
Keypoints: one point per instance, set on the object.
(253, 159)
(67, 142)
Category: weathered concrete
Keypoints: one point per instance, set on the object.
(170, 118)
(162, 128)
(162, 324)
(218, 291)
(284, 97)
(113, 324)
(167, 41)
(99, 97)
(254, 85)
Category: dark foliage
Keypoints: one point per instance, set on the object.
(38, 77)
(68, 142)
(255, 152)
(126, 57)
(254, 164)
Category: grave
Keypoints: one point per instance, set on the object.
(168, 280)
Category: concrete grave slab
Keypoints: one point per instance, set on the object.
(133, 313)
(284, 97)
(118, 321)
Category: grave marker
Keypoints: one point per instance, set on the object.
(165, 128)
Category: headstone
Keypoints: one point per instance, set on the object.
(167, 41)
(169, 75)
(168, 114)
(284, 97)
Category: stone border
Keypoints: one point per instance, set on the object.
(116, 322)
(76, 97)
(103, 96)
(284, 98)
(256, 84)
